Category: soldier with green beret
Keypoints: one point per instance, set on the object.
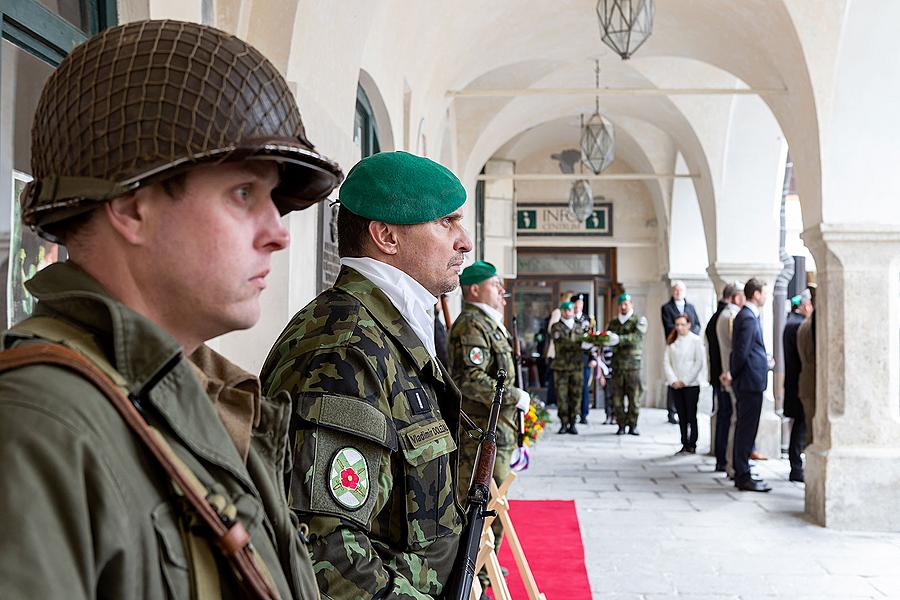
(568, 374)
(626, 364)
(376, 417)
(169, 231)
(480, 346)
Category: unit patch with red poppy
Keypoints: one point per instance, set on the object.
(349, 478)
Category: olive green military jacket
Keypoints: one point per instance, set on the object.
(477, 349)
(628, 352)
(375, 429)
(87, 512)
(569, 354)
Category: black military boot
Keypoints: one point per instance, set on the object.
(632, 430)
(621, 430)
(572, 429)
(564, 428)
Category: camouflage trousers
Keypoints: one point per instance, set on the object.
(467, 450)
(626, 382)
(568, 384)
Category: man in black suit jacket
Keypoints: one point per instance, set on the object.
(722, 400)
(749, 374)
(671, 310)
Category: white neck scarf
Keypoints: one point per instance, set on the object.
(409, 297)
(623, 318)
(493, 313)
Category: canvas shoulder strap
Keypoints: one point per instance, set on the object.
(77, 351)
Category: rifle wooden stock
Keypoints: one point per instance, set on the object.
(459, 587)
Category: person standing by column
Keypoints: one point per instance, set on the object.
(723, 333)
(677, 305)
(722, 401)
(626, 364)
(801, 307)
(749, 373)
(685, 366)
(567, 335)
(806, 346)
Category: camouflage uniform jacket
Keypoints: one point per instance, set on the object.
(89, 513)
(376, 421)
(627, 353)
(569, 354)
(478, 349)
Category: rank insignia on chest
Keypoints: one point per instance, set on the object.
(349, 478)
(476, 356)
(418, 401)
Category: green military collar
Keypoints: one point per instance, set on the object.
(384, 311)
(149, 359)
(138, 348)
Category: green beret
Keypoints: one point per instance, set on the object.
(795, 301)
(566, 305)
(477, 272)
(401, 188)
(624, 296)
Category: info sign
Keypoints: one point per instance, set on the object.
(548, 219)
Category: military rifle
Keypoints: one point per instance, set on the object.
(520, 381)
(463, 575)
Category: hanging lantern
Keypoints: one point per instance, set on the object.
(598, 138)
(598, 143)
(581, 199)
(625, 24)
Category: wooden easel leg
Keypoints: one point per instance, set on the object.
(501, 505)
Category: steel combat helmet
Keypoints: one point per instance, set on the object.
(144, 101)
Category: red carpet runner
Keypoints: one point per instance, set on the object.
(549, 533)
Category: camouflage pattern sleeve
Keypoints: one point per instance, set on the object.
(474, 367)
(342, 478)
(633, 332)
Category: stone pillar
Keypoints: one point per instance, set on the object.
(768, 437)
(853, 467)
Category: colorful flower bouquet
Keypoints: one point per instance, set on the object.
(535, 421)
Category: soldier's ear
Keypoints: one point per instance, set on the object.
(384, 236)
(129, 214)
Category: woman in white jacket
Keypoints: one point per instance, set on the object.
(685, 366)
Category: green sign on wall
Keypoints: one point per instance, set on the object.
(557, 220)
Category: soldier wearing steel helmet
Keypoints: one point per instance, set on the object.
(163, 156)
(377, 417)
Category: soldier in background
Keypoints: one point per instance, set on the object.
(626, 364)
(567, 335)
(479, 346)
(376, 417)
(169, 231)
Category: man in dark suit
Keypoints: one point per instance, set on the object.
(801, 307)
(722, 401)
(671, 310)
(749, 374)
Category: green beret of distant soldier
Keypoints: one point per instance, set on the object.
(795, 301)
(477, 272)
(623, 297)
(566, 305)
(401, 189)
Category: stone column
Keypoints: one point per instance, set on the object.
(768, 437)
(853, 467)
